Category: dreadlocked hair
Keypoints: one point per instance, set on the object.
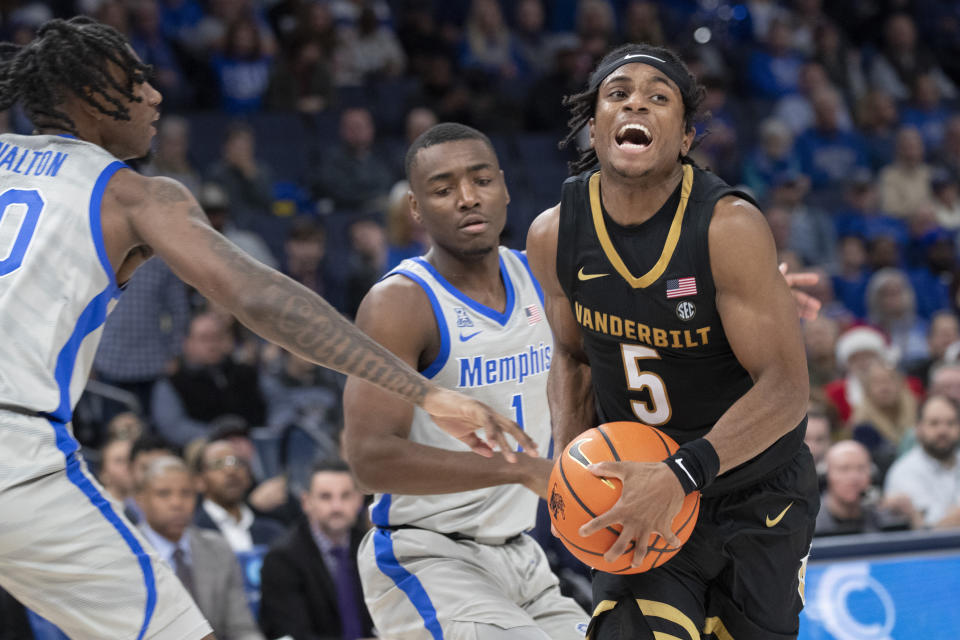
(69, 55)
(583, 105)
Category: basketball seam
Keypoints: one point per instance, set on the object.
(616, 456)
(656, 432)
(563, 476)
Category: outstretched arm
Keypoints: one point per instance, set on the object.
(569, 383)
(398, 315)
(164, 216)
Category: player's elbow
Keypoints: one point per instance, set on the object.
(367, 465)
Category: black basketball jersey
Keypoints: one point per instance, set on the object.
(645, 300)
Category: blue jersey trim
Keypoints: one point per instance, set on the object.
(407, 582)
(444, 353)
(90, 319)
(96, 229)
(496, 316)
(66, 442)
(380, 513)
(536, 285)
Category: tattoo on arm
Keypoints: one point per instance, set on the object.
(289, 314)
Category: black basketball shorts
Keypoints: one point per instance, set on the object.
(740, 576)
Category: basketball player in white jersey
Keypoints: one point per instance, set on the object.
(447, 557)
(75, 223)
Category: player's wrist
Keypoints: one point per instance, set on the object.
(695, 464)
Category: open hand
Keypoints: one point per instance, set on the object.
(461, 417)
(650, 500)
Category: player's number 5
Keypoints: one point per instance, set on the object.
(17, 224)
(657, 410)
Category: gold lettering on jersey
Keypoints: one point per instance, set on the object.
(660, 337)
(617, 327)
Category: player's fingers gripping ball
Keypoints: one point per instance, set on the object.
(576, 496)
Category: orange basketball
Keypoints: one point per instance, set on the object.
(577, 496)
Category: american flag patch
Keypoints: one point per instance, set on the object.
(533, 314)
(681, 287)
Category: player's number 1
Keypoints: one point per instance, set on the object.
(15, 234)
(517, 404)
(657, 411)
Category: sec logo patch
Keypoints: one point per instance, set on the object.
(686, 310)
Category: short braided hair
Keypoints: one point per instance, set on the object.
(69, 56)
(583, 105)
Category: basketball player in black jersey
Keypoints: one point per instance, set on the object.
(665, 301)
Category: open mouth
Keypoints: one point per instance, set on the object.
(634, 137)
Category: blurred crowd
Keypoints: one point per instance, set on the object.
(288, 119)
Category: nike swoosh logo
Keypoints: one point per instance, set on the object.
(464, 338)
(772, 522)
(583, 460)
(589, 276)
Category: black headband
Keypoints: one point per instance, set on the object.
(672, 70)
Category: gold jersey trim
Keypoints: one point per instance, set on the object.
(673, 236)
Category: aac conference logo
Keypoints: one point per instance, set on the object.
(832, 601)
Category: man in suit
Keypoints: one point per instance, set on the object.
(201, 559)
(224, 480)
(309, 582)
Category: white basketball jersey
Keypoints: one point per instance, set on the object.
(56, 283)
(501, 359)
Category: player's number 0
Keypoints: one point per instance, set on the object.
(657, 410)
(17, 227)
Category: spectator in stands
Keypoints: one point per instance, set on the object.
(720, 149)
(841, 62)
(242, 70)
(596, 27)
(368, 259)
(827, 153)
(125, 426)
(224, 478)
(927, 112)
(488, 45)
(773, 71)
(303, 396)
(818, 438)
(248, 182)
(877, 120)
(153, 47)
(302, 80)
(641, 23)
(892, 308)
(860, 214)
(310, 583)
(208, 386)
(857, 349)
(566, 77)
(352, 174)
(946, 199)
(812, 232)
(943, 330)
(115, 473)
(405, 237)
(796, 109)
(948, 155)
(905, 183)
(145, 450)
(303, 259)
(885, 414)
(848, 505)
(945, 379)
(903, 59)
(534, 44)
(171, 157)
(772, 157)
(852, 274)
(201, 559)
(830, 306)
(216, 204)
(820, 338)
(369, 53)
(114, 13)
(143, 336)
(348, 13)
(929, 474)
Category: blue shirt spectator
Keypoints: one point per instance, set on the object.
(827, 154)
(243, 70)
(774, 71)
